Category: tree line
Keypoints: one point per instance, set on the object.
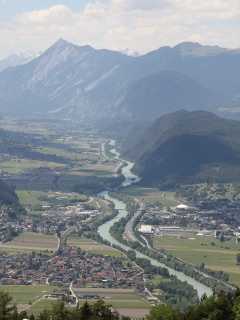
(218, 307)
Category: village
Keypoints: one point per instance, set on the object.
(70, 265)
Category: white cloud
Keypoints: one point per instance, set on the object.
(57, 14)
(140, 25)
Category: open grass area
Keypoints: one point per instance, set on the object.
(118, 298)
(29, 241)
(215, 254)
(154, 196)
(27, 294)
(43, 304)
(94, 247)
(124, 300)
(18, 166)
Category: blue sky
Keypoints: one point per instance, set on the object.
(124, 25)
(9, 8)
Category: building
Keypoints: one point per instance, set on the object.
(146, 229)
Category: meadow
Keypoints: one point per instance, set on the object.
(126, 301)
(118, 298)
(29, 241)
(94, 247)
(27, 294)
(18, 166)
(154, 196)
(216, 255)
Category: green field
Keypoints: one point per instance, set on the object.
(154, 196)
(118, 298)
(27, 294)
(19, 166)
(94, 247)
(214, 254)
(60, 152)
(41, 305)
(34, 200)
(29, 241)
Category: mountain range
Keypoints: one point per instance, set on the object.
(80, 82)
(16, 60)
(187, 147)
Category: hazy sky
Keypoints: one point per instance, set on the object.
(138, 25)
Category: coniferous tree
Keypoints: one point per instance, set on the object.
(7, 308)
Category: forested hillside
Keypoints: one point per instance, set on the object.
(7, 194)
(187, 147)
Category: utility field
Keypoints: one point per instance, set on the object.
(94, 247)
(214, 254)
(29, 241)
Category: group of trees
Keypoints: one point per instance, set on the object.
(220, 307)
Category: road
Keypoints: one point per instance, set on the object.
(129, 232)
(73, 294)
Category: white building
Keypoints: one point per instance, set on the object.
(182, 207)
(147, 229)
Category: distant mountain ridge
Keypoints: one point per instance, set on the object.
(188, 147)
(16, 60)
(81, 82)
(167, 91)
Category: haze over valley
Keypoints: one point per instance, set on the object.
(119, 160)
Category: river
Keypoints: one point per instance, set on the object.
(104, 230)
